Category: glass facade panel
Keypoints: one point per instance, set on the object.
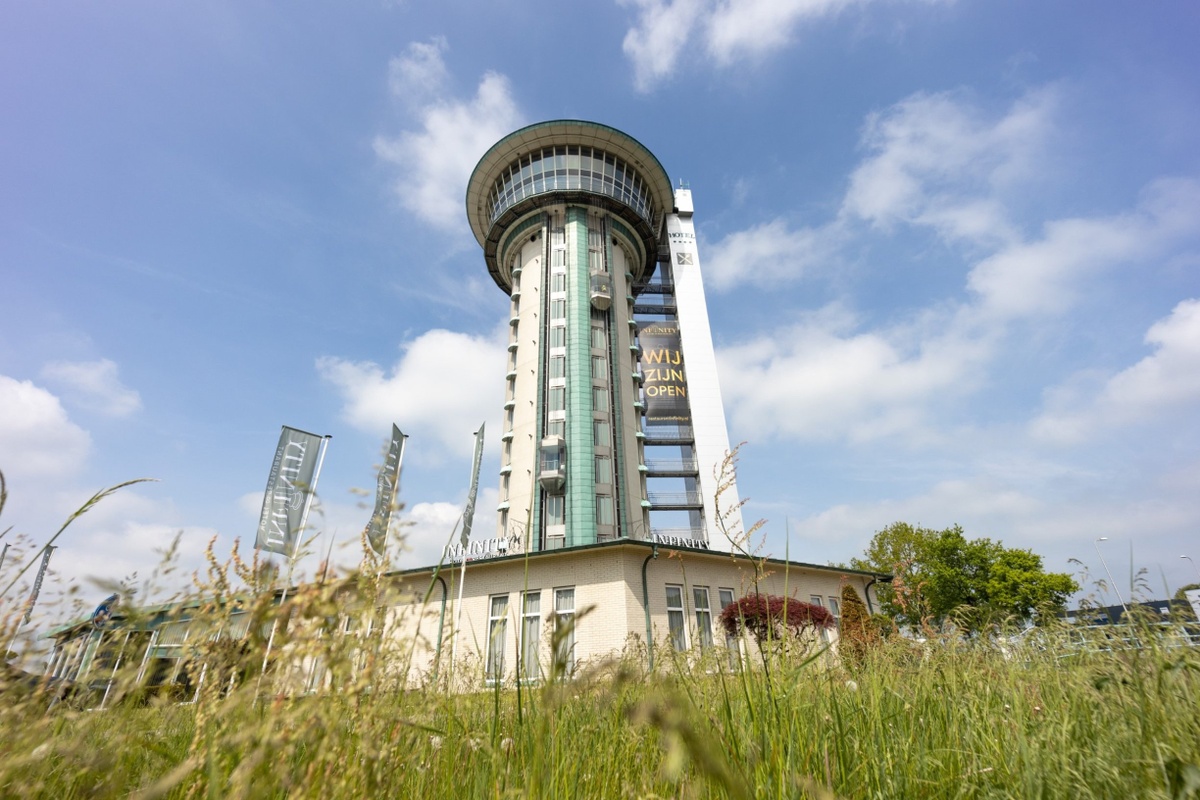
(531, 631)
(553, 169)
(497, 630)
(703, 615)
(564, 629)
(554, 509)
(604, 509)
(675, 618)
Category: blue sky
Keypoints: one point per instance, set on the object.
(952, 251)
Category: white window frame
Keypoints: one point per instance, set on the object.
(564, 626)
(531, 633)
(703, 615)
(497, 636)
(677, 618)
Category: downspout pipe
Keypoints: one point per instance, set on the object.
(867, 589)
(646, 605)
(867, 593)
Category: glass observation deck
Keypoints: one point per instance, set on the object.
(569, 168)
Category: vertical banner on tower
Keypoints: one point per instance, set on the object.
(288, 490)
(469, 511)
(385, 492)
(665, 384)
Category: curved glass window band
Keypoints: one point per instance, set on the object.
(569, 168)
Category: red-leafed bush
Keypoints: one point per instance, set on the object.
(768, 616)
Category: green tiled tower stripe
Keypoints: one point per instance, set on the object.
(581, 470)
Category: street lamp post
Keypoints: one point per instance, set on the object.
(1109, 574)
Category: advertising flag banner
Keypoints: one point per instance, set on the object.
(37, 584)
(289, 488)
(385, 492)
(469, 511)
(665, 384)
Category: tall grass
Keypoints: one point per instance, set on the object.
(938, 720)
(943, 718)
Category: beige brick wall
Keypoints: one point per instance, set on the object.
(608, 602)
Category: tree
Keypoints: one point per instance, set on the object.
(768, 616)
(858, 634)
(942, 574)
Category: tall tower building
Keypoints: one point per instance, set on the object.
(613, 421)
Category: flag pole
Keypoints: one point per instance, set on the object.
(33, 597)
(295, 552)
(468, 518)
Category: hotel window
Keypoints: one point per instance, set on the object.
(504, 486)
(731, 641)
(603, 469)
(599, 398)
(598, 338)
(600, 434)
(564, 629)
(703, 615)
(531, 631)
(554, 509)
(558, 336)
(675, 618)
(558, 398)
(497, 630)
(558, 309)
(558, 366)
(558, 282)
(556, 427)
(604, 509)
(835, 608)
(599, 368)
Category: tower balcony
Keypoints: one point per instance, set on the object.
(668, 435)
(672, 468)
(675, 501)
(666, 306)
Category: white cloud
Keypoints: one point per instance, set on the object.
(435, 162)
(729, 31)
(37, 439)
(937, 163)
(444, 384)
(420, 73)
(1040, 277)
(821, 379)
(1145, 393)
(94, 385)
(935, 160)
(770, 253)
(662, 32)
(746, 29)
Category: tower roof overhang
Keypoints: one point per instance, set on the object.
(533, 138)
